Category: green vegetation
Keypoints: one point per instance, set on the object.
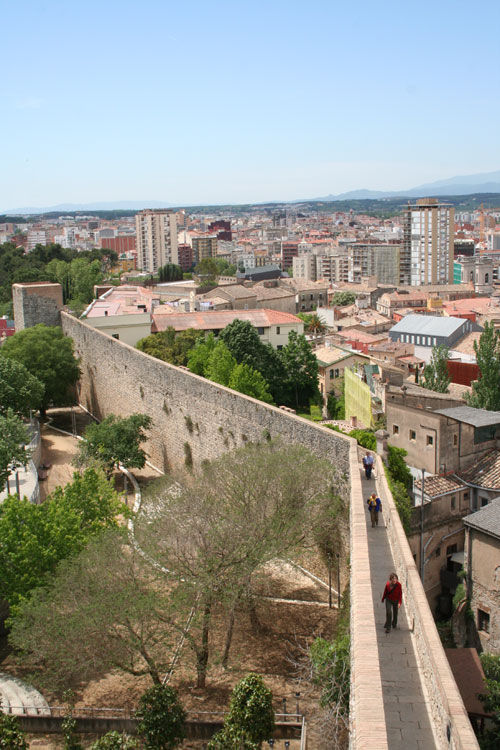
(170, 272)
(35, 538)
(435, 376)
(114, 441)
(13, 436)
(312, 322)
(336, 401)
(399, 479)
(19, 389)
(490, 740)
(342, 299)
(162, 720)
(76, 271)
(48, 355)
(486, 391)
(115, 741)
(169, 346)
(250, 719)
(11, 735)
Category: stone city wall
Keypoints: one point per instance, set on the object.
(449, 718)
(193, 418)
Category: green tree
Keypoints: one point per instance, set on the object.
(48, 355)
(13, 436)
(169, 346)
(490, 740)
(207, 267)
(486, 390)
(114, 441)
(246, 380)
(115, 741)
(199, 355)
(301, 370)
(250, 717)
(162, 719)
(170, 272)
(19, 389)
(35, 538)
(220, 364)
(436, 377)
(11, 735)
(312, 322)
(106, 608)
(342, 299)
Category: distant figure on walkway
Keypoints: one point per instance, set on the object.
(368, 462)
(375, 507)
(393, 595)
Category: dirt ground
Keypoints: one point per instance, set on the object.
(292, 610)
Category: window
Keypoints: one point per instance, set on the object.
(413, 435)
(484, 501)
(115, 335)
(455, 440)
(453, 502)
(483, 621)
(337, 373)
(260, 331)
(438, 552)
(395, 429)
(331, 373)
(280, 346)
(466, 497)
(278, 330)
(430, 440)
(311, 296)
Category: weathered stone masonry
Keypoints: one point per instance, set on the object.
(191, 416)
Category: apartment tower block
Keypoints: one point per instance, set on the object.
(156, 239)
(427, 253)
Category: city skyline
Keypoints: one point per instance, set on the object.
(233, 104)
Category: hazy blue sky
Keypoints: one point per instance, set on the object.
(243, 101)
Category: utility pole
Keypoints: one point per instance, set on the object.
(422, 561)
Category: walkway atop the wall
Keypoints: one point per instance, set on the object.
(406, 716)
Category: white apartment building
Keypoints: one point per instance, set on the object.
(36, 237)
(305, 267)
(333, 268)
(427, 253)
(156, 233)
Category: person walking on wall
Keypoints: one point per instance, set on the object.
(368, 462)
(393, 595)
(375, 507)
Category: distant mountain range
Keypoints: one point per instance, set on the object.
(485, 182)
(104, 206)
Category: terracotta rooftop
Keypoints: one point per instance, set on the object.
(328, 355)
(436, 485)
(219, 319)
(485, 472)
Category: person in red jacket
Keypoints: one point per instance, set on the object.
(393, 595)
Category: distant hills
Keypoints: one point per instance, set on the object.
(485, 182)
(482, 183)
(104, 206)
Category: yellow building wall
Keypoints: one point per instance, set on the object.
(358, 401)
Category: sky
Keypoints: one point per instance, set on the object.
(234, 102)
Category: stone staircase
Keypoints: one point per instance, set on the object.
(21, 699)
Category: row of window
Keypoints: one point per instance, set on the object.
(412, 435)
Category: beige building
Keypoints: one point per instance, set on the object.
(156, 239)
(305, 267)
(482, 566)
(123, 312)
(204, 246)
(378, 260)
(428, 235)
(332, 361)
(273, 327)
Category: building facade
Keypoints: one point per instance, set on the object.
(156, 239)
(428, 250)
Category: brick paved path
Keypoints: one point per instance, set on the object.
(406, 717)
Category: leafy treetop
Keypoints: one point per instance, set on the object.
(436, 377)
(48, 355)
(114, 441)
(19, 389)
(486, 390)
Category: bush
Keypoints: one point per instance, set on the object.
(115, 741)
(162, 719)
(365, 438)
(250, 720)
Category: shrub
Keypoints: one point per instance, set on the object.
(162, 719)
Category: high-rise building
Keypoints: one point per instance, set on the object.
(427, 252)
(204, 246)
(373, 259)
(156, 239)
